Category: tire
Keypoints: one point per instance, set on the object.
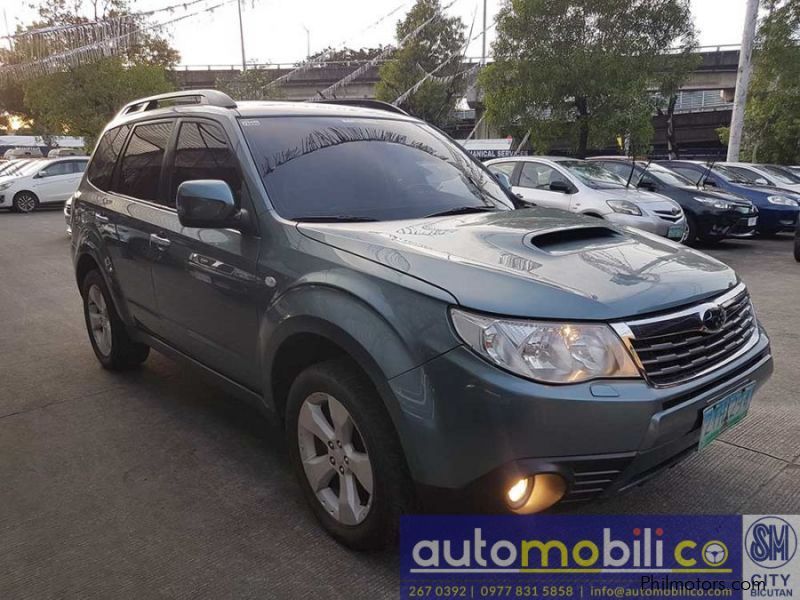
(797, 244)
(691, 228)
(110, 341)
(25, 202)
(384, 491)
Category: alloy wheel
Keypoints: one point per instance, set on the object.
(335, 458)
(99, 320)
(26, 202)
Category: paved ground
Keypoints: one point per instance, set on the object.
(155, 485)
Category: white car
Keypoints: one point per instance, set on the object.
(768, 175)
(41, 182)
(584, 187)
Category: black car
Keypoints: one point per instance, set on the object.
(711, 216)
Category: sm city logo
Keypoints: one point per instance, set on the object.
(636, 550)
(770, 542)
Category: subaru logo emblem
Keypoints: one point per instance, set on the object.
(714, 318)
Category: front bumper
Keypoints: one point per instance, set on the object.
(774, 218)
(650, 223)
(730, 223)
(470, 429)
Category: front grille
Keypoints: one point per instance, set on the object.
(669, 215)
(681, 346)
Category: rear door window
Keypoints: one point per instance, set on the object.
(202, 152)
(141, 164)
(105, 157)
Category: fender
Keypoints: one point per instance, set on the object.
(89, 244)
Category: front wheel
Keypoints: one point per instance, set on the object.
(25, 202)
(346, 455)
(111, 343)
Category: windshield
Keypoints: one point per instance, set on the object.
(740, 175)
(668, 176)
(780, 175)
(335, 168)
(593, 174)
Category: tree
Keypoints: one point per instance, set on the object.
(80, 100)
(443, 37)
(584, 70)
(772, 119)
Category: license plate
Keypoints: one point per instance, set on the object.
(751, 222)
(725, 413)
(675, 232)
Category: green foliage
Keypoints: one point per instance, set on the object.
(582, 70)
(443, 36)
(772, 122)
(80, 100)
(348, 54)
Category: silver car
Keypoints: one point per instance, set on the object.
(584, 187)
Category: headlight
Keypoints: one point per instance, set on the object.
(6, 185)
(782, 200)
(625, 207)
(714, 202)
(544, 351)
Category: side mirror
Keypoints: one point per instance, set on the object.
(710, 183)
(40, 174)
(560, 186)
(503, 180)
(207, 203)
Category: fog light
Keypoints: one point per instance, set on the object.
(518, 493)
(535, 493)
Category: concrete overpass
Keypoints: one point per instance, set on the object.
(717, 71)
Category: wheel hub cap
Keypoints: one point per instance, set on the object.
(335, 458)
(99, 321)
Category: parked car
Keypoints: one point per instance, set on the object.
(41, 182)
(587, 188)
(357, 275)
(777, 208)
(711, 216)
(767, 175)
(797, 243)
(60, 152)
(26, 152)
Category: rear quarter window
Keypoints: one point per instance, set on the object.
(101, 167)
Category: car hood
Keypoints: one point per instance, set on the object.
(707, 193)
(767, 190)
(536, 262)
(633, 194)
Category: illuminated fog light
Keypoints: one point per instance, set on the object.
(535, 494)
(518, 493)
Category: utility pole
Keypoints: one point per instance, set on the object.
(308, 42)
(742, 80)
(483, 37)
(241, 34)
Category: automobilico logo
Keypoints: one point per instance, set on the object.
(771, 542)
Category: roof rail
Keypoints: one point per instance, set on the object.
(364, 103)
(210, 97)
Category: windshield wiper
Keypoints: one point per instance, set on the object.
(462, 210)
(335, 219)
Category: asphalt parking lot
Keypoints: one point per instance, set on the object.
(153, 484)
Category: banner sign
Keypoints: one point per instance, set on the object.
(596, 556)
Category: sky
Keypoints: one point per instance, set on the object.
(275, 30)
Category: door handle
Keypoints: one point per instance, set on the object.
(162, 242)
(102, 219)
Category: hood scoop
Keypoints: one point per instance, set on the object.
(574, 239)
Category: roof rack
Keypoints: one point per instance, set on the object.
(364, 103)
(209, 97)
